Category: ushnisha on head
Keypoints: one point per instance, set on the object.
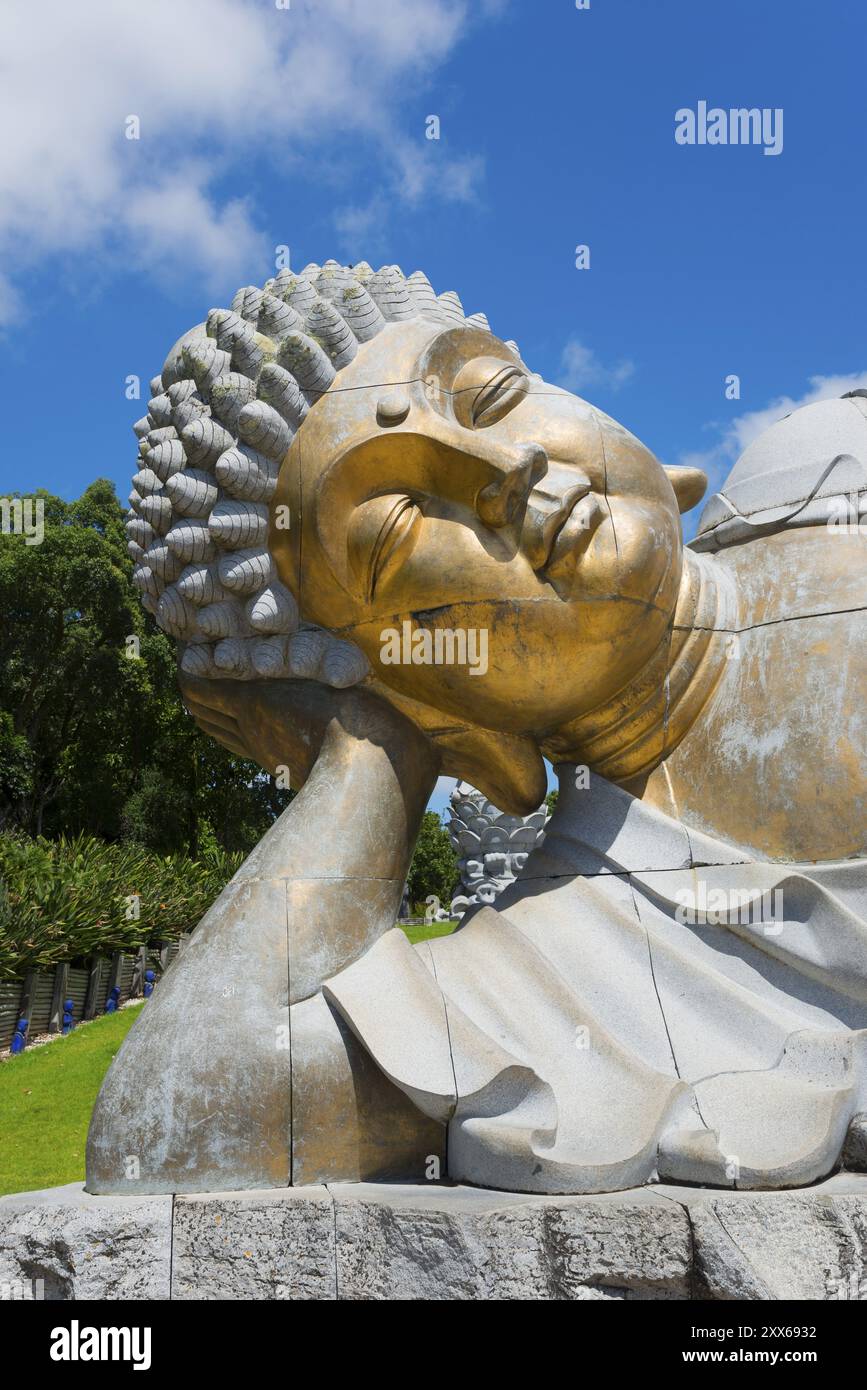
(343, 453)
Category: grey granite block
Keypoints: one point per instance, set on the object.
(275, 1244)
(61, 1243)
(399, 1242)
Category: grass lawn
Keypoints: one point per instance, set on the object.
(426, 932)
(47, 1094)
(46, 1097)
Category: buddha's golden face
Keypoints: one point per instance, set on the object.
(438, 485)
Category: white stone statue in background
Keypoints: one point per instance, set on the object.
(492, 846)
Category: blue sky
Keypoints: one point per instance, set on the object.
(263, 126)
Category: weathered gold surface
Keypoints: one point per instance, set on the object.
(544, 524)
(776, 762)
(603, 648)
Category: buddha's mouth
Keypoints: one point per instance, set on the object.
(562, 514)
(572, 537)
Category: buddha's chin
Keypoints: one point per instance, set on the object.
(524, 666)
(507, 702)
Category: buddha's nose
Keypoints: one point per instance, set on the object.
(500, 502)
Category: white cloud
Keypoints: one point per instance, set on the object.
(419, 171)
(175, 224)
(581, 369)
(212, 82)
(422, 169)
(734, 437)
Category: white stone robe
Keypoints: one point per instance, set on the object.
(583, 1037)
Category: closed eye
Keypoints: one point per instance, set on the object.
(485, 389)
(382, 535)
(498, 396)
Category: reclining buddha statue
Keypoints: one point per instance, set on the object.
(389, 552)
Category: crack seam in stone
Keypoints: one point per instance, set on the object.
(333, 1200)
(775, 622)
(692, 1271)
(605, 495)
(653, 978)
(693, 1093)
(172, 1246)
(523, 601)
(728, 1235)
(433, 967)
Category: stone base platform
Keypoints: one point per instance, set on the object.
(381, 1241)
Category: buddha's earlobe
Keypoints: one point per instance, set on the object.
(689, 485)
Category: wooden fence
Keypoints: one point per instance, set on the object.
(40, 995)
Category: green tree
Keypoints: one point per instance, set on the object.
(72, 896)
(93, 735)
(434, 867)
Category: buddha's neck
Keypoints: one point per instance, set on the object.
(632, 733)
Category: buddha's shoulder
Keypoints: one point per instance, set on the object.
(808, 469)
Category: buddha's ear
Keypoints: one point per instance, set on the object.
(689, 485)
